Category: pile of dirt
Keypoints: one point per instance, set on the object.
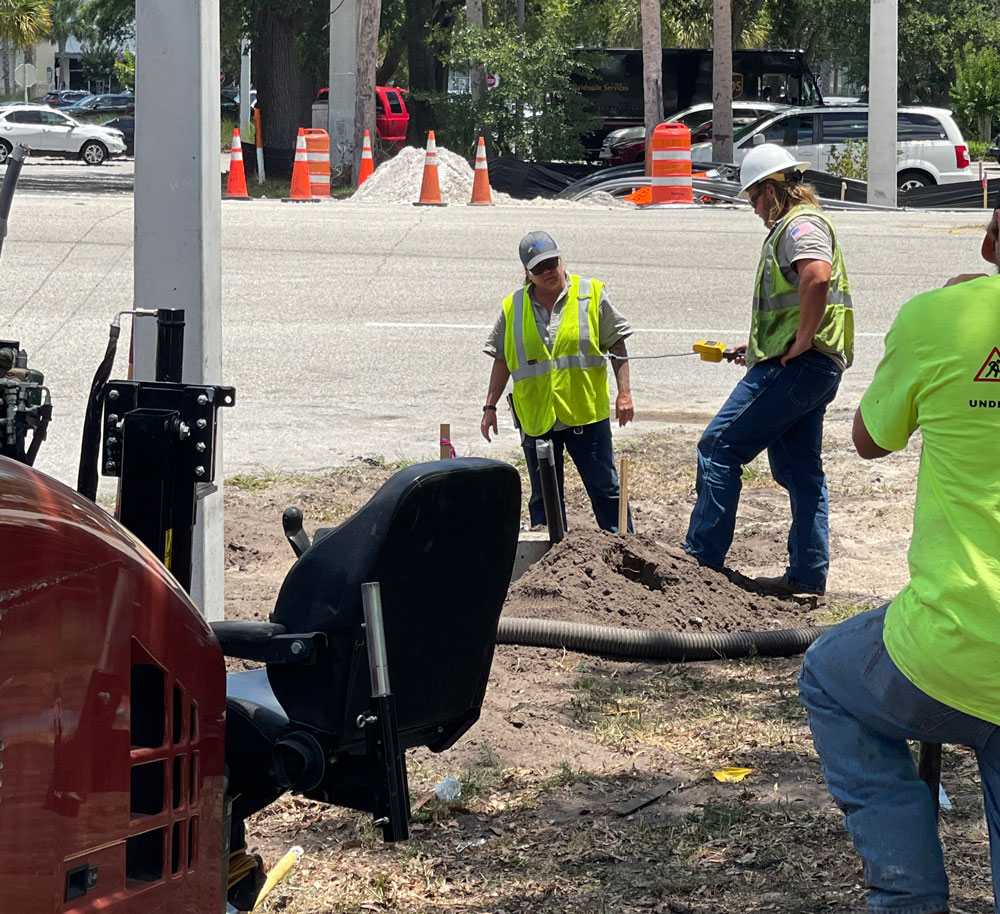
(398, 179)
(602, 578)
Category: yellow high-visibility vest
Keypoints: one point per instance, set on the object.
(570, 383)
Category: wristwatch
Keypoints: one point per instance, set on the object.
(487, 408)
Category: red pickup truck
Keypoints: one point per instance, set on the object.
(391, 116)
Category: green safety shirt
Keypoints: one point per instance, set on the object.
(775, 318)
(570, 383)
(941, 373)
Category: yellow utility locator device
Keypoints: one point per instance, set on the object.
(713, 351)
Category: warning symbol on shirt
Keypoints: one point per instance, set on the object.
(991, 367)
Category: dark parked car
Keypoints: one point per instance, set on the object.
(126, 125)
(994, 151)
(62, 98)
(102, 104)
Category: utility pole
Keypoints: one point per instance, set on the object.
(652, 74)
(343, 83)
(477, 74)
(364, 107)
(722, 82)
(245, 89)
(178, 223)
(883, 90)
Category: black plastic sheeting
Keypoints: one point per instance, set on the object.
(963, 195)
(525, 180)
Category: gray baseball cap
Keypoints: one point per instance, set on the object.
(536, 247)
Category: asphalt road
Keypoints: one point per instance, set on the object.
(355, 329)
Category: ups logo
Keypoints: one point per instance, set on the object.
(737, 85)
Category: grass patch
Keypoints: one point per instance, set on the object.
(754, 476)
(256, 482)
(837, 611)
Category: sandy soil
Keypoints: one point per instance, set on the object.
(564, 740)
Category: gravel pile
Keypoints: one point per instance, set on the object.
(398, 180)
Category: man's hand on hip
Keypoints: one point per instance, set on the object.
(624, 408)
(796, 347)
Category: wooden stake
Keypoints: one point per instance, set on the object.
(445, 441)
(983, 182)
(623, 467)
(843, 189)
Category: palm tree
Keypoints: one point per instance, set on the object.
(23, 23)
(67, 22)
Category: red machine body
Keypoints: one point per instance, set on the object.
(112, 716)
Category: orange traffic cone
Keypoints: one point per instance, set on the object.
(301, 190)
(481, 182)
(430, 189)
(367, 162)
(236, 186)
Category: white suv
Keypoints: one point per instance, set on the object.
(930, 145)
(47, 132)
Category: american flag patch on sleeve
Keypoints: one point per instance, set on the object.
(803, 228)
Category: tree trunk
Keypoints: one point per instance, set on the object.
(364, 106)
(5, 52)
(284, 91)
(722, 82)
(652, 74)
(63, 65)
(387, 69)
(422, 70)
(477, 75)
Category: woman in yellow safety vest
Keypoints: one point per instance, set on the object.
(801, 341)
(551, 338)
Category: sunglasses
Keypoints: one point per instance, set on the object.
(755, 197)
(544, 266)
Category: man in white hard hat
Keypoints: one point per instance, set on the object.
(923, 667)
(801, 341)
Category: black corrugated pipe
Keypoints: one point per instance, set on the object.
(643, 644)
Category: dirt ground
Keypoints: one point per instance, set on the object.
(551, 816)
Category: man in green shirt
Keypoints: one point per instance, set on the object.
(924, 667)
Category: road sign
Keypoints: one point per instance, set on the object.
(25, 75)
(492, 81)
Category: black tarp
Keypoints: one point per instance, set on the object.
(525, 180)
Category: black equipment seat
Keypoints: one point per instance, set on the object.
(440, 538)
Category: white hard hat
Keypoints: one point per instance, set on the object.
(766, 161)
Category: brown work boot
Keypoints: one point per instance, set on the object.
(780, 587)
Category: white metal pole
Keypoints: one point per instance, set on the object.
(343, 82)
(883, 91)
(245, 90)
(178, 221)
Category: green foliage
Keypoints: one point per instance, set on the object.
(536, 110)
(113, 20)
(125, 69)
(99, 63)
(24, 22)
(68, 20)
(852, 162)
(977, 150)
(976, 91)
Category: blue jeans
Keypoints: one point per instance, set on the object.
(862, 710)
(781, 409)
(591, 450)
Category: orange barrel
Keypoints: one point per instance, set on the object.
(318, 156)
(672, 164)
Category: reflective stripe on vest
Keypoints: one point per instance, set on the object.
(776, 302)
(568, 383)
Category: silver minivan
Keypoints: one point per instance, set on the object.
(930, 146)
